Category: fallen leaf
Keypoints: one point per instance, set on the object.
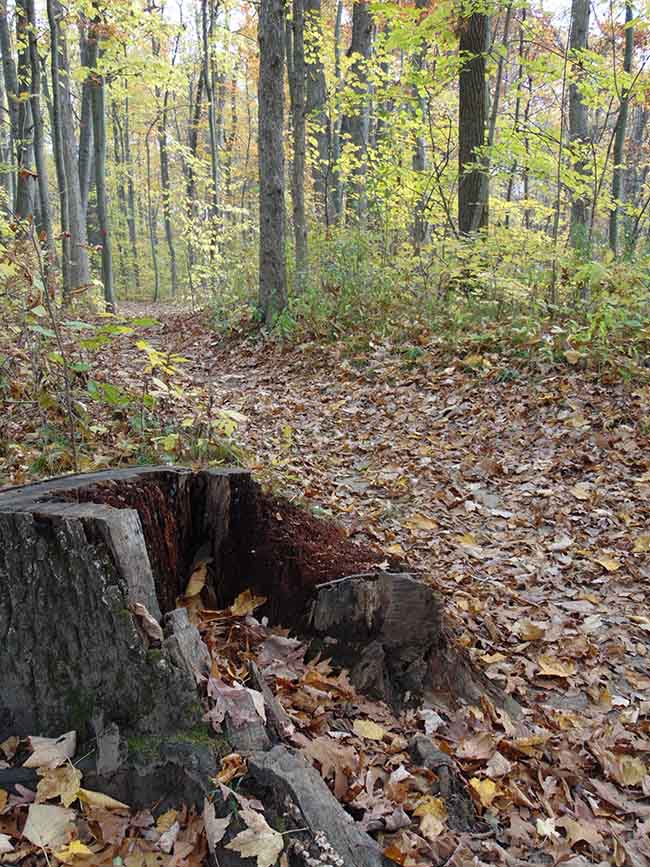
(59, 783)
(498, 766)
(197, 580)
(607, 562)
(529, 630)
(581, 491)
(5, 844)
(215, 828)
(549, 666)
(246, 603)
(48, 826)
(103, 802)
(431, 827)
(641, 545)
(334, 758)
(51, 752)
(259, 840)
(481, 746)
(430, 806)
(546, 828)
(486, 790)
(366, 728)
(147, 621)
(75, 849)
(166, 820)
(232, 766)
(578, 832)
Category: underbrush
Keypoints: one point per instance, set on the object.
(509, 296)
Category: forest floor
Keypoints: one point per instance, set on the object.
(524, 498)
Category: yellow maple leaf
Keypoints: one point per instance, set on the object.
(366, 728)
(430, 806)
(486, 790)
(75, 849)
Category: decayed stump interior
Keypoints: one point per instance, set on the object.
(82, 557)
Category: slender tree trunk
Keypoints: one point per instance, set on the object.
(578, 127)
(419, 229)
(99, 141)
(120, 223)
(336, 122)
(318, 122)
(356, 123)
(520, 77)
(130, 194)
(634, 176)
(73, 225)
(166, 194)
(11, 88)
(298, 113)
(25, 187)
(207, 23)
(6, 143)
(621, 127)
(193, 143)
(151, 220)
(473, 190)
(37, 121)
(231, 138)
(272, 271)
(86, 121)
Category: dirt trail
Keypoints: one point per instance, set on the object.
(524, 497)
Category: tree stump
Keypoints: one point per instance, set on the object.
(91, 569)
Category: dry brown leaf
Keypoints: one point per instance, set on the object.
(51, 752)
(430, 806)
(215, 828)
(259, 840)
(48, 826)
(197, 580)
(529, 630)
(431, 827)
(59, 783)
(608, 563)
(480, 746)
(334, 758)
(103, 802)
(550, 666)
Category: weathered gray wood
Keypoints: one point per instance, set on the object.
(288, 774)
(388, 628)
(72, 566)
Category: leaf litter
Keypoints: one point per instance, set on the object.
(525, 503)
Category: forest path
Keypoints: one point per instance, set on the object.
(524, 497)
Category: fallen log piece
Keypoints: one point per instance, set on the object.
(332, 831)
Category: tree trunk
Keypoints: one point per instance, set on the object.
(37, 121)
(419, 229)
(298, 115)
(130, 191)
(25, 186)
(11, 92)
(86, 122)
(53, 14)
(99, 141)
(621, 127)
(207, 23)
(272, 267)
(316, 108)
(473, 190)
(356, 123)
(578, 128)
(151, 221)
